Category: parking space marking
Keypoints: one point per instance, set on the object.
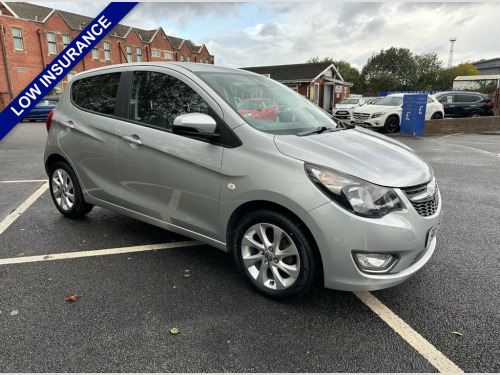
(20, 181)
(23, 207)
(94, 253)
(420, 344)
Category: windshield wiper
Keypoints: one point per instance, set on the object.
(318, 130)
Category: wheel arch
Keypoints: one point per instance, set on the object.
(251, 206)
(52, 159)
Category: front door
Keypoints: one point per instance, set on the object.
(163, 175)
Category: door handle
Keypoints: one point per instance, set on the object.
(68, 124)
(133, 140)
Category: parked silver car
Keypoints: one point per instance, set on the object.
(164, 143)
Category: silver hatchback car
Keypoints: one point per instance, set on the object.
(291, 197)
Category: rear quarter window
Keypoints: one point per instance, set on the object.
(96, 93)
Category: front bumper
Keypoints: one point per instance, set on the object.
(339, 233)
(375, 123)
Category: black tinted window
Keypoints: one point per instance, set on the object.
(157, 99)
(462, 98)
(97, 93)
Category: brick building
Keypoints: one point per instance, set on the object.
(31, 36)
(319, 82)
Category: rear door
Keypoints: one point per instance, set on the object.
(164, 175)
(449, 105)
(86, 132)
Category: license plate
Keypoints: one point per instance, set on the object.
(358, 121)
(432, 233)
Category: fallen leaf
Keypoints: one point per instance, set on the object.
(174, 331)
(105, 235)
(81, 245)
(72, 298)
(457, 333)
(147, 266)
(146, 295)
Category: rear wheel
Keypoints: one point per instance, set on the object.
(436, 116)
(274, 255)
(476, 114)
(391, 124)
(66, 192)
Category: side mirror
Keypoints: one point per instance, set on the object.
(197, 125)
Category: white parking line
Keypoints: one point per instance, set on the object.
(94, 253)
(23, 207)
(421, 345)
(20, 181)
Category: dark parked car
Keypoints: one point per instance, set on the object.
(42, 109)
(465, 104)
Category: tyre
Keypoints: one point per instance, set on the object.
(66, 192)
(274, 255)
(476, 114)
(391, 124)
(436, 116)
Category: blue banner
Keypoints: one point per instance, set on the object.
(413, 114)
(62, 65)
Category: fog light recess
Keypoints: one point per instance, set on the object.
(375, 263)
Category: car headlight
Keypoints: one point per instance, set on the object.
(378, 114)
(355, 195)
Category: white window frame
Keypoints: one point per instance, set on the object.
(51, 42)
(69, 40)
(155, 53)
(130, 54)
(18, 37)
(95, 53)
(138, 53)
(107, 51)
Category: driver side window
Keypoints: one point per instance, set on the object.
(157, 99)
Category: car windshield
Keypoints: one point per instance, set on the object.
(293, 113)
(390, 101)
(349, 101)
(247, 104)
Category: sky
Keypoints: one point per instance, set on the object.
(246, 34)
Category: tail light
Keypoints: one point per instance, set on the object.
(48, 122)
(490, 104)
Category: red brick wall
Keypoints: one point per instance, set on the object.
(460, 125)
(26, 65)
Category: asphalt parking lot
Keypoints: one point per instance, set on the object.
(132, 295)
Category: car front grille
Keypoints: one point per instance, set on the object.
(425, 197)
(361, 116)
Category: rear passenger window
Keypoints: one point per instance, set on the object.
(157, 99)
(97, 93)
(466, 98)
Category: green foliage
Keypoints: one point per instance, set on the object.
(398, 69)
(487, 87)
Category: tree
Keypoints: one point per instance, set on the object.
(428, 68)
(447, 76)
(346, 70)
(398, 63)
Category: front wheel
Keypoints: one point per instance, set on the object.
(274, 254)
(437, 116)
(66, 192)
(391, 124)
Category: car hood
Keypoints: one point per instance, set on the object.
(372, 108)
(359, 153)
(345, 106)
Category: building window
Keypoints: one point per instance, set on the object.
(107, 51)
(51, 41)
(155, 53)
(189, 59)
(58, 87)
(95, 53)
(69, 76)
(168, 55)
(182, 57)
(138, 52)
(130, 56)
(66, 40)
(17, 34)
